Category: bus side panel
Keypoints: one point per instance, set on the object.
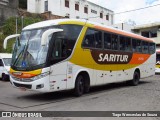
(58, 77)
(76, 70)
(148, 68)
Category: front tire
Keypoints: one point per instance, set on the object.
(5, 77)
(79, 86)
(136, 78)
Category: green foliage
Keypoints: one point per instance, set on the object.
(9, 28)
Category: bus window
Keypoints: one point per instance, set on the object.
(98, 39)
(63, 42)
(122, 44)
(114, 42)
(128, 44)
(134, 45)
(139, 46)
(107, 41)
(145, 47)
(152, 48)
(93, 39)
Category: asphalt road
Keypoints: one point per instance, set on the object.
(111, 97)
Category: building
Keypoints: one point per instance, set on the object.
(124, 26)
(72, 9)
(8, 8)
(151, 30)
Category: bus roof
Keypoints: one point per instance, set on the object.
(87, 23)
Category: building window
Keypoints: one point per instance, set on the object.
(77, 7)
(149, 34)
(101, 15)
(45, 5)
(93, 11)
(86, 10)
(153, 33)
(145, 34)
(107, 17)
(66, 3)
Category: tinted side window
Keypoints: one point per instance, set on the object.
(63, 42)
(93, 39)
(145, 47)
(114, 42)
(134, 42)
(139, 46)
(128, 44)
(98, 39)
(122, 43)
(107, 41)
(152, 48)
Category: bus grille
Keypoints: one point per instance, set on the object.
(22, 85)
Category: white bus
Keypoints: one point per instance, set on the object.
(75, 54)
(157, 61)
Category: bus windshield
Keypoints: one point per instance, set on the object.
(29, 53)
(28, 50)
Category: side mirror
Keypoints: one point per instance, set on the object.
(47, 33)
(9, 37)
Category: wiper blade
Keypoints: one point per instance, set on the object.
(18, 56)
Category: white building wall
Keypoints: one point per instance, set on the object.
(57, 7)
(124, 26)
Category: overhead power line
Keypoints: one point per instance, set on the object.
(136, 9)
(126, 11)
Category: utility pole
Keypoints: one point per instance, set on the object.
(16, 24)
(22, 19)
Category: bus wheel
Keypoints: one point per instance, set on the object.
(79, 86)
(136, 78)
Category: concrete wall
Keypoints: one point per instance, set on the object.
(8, 9)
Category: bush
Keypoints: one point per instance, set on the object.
(9, 28)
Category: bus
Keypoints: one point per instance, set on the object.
(74, 54)
(157, 71)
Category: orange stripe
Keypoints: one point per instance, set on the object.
(139, 58)
(123, 33)
(22, 74)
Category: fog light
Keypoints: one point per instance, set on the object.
(40, 86)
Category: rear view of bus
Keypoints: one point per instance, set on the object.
(157, 71)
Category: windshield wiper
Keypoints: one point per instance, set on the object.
(19, 55)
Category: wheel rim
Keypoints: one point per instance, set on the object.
(136, 78)
(81, 85)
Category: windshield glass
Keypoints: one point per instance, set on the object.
(28, 51)
(7, 61)
(29, 54)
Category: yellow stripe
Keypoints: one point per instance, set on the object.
(77, 23)
(157, 66)
(34, 72)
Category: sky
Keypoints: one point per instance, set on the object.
(144, 16)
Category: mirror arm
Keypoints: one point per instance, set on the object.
(47, 33)
(9, 37)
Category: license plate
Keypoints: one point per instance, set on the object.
(23, 89)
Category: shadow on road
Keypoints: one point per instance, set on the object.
(61, 95)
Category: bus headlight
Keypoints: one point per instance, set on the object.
(40, 76)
